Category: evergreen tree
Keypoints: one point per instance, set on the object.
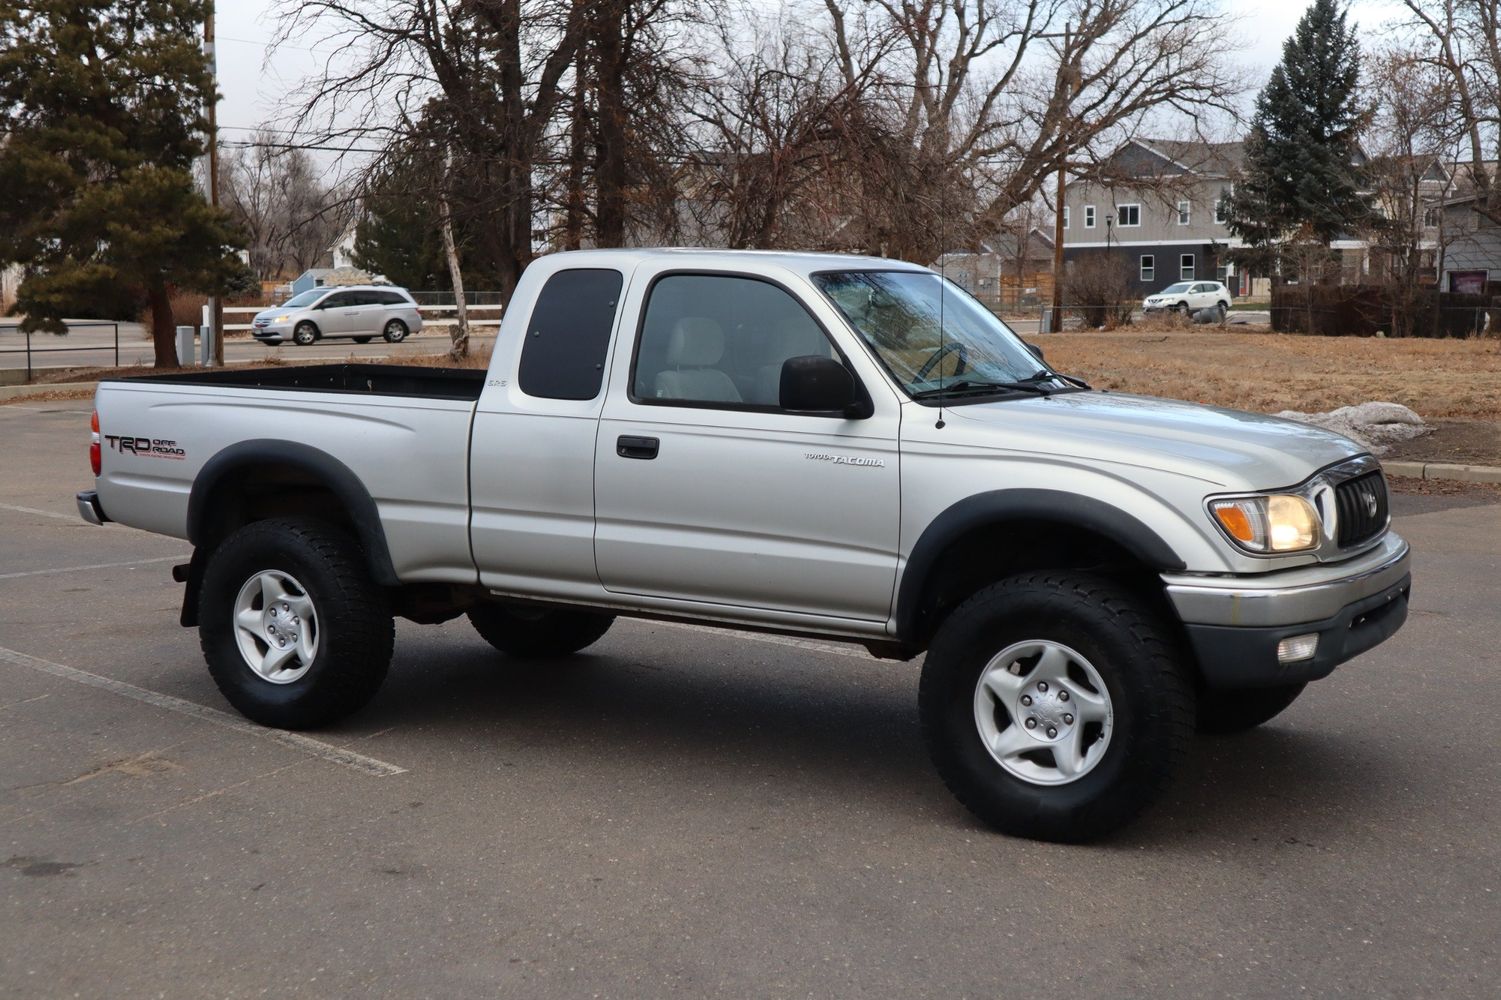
(397, 234)
(101, 105)
(1301, 177)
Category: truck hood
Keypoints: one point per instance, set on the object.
(1235, 450)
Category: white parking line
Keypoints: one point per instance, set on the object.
(295, 741)
(80, 569)
(43, 513)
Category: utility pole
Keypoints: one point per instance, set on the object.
(215, 304)
(1056, 324)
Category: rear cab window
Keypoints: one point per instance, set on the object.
(568, 336)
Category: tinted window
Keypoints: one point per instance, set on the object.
(569, 333)
(720, 339)
(391, 298)
(338, 300)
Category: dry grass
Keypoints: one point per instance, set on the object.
(1267, 372)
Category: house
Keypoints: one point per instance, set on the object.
(317, 277)
(1472, 249)
(1003, 269)
(1156, 208)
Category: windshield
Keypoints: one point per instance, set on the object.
(898, 315)
(1181, 286)
(301, 299)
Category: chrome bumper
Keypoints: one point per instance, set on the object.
(1307, 594)
(89, 509)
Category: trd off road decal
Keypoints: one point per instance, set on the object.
(145, 447)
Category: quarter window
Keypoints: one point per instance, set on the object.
(563, 356)
(1127, 216)
(1148, 267)
(720, 340)
(1186, 267)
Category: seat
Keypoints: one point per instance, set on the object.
(796, 337)
(694, 347)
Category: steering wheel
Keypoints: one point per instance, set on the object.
(954, 347)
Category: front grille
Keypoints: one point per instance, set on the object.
(1361, 503)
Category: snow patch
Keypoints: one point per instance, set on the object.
(1374, 425)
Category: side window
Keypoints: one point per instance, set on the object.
(338, 300)
(563, 355)
(389, 299)
(720, 340)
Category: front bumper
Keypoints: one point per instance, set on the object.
(1234, 624)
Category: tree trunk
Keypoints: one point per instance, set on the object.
(573, 217)
(610, 163)
(163, 330)
(460, 348)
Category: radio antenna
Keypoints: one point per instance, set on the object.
(942, 274)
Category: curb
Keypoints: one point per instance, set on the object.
(1444, 470)
(8, 392)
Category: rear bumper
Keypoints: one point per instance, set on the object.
(1234, 624)
(89, 509)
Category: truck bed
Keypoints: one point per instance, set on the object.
(382, 380)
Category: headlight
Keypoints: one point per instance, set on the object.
(1277, 523)
(281, 319)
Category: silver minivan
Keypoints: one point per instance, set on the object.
(360, 312)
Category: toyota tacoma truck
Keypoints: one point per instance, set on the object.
(803, 444)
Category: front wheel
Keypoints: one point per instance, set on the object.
(538, 633)
(1054, 707)
(395, 332)
(1225, 712)
(295, 632)
(305, 334)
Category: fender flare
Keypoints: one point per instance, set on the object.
(995, 506)
(328, 471)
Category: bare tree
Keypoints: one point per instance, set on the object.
(278, 197)
(983, 100)
(1463, 42)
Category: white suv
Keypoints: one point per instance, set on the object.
(1189, 297)
(361, 312)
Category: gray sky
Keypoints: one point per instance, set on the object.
(255, 90)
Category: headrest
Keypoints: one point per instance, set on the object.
(696, 342)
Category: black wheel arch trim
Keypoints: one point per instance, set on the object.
(322, 467)
(997, 506)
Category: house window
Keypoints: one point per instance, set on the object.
(1221, 202)
(1186, 267)
(1185, 212)
(1148, 267)
(1065, 216)
(1127, 215)
(1088, 216)
(1431, 218)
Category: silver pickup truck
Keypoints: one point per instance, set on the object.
(805, 444)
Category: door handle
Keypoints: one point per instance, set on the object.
(636, 447)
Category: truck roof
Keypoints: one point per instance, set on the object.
(802, 262)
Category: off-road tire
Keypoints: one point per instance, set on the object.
(1129, 647)
(305, 334)
(1225, 712)
(355, 629)
(540, 633)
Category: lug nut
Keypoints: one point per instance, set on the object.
(1062, 695)
(1031, 723)
(1026, 699)
(1052, 732)
(1068, 720)
(281, 642)
(1042, 685)
(273, 612)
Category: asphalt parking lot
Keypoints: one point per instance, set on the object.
(681, 812)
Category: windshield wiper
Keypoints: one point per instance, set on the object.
(1040, 375)
(971, 386)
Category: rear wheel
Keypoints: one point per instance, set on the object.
(305, 333)
(395, 332)
(294, 631)
(1236, 711)
(538, 633)
(1053, 706)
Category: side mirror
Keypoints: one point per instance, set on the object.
(815, 384)
(1036, 351)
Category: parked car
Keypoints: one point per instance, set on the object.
(358, 312)
(1189, 297)
(835, 446)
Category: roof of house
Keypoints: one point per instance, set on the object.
(1214, 158)
(1004, 244)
